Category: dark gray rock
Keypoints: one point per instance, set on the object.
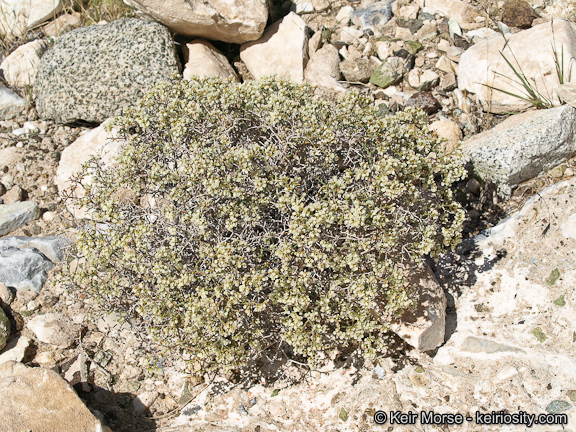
(23, 268)
(52, 247)
(13, 216)
(374, 16)
(92, 72)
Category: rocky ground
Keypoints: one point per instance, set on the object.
(509, 338)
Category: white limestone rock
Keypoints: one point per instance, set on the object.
(38, 399)
(448, 130)
(483, 65)
(236, 21)
(15, 350)
(11, 105)
(280, 51)
(54, 329)
(17, 16)
(202, 59)
(20, 67)
(456, 9)
(99, 143)
(323, 70)
(423, 80)
(424, 327)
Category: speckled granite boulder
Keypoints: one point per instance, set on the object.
(92, 72)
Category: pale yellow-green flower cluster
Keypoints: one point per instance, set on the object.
(243, 216)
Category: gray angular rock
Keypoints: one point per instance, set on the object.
(373, 16)
(236, 21)
(38, 399)
(23, 269)
(11, 105)
(4, 329)
(92, 72)
(523, 146)
(52, 247)
(13, 216)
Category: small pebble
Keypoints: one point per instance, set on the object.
(48, 216)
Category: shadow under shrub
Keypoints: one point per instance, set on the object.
(241, 216)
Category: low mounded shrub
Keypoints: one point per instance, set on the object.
(240, 216)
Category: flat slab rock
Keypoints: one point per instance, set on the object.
(92, 72)
(523, 146)
(38, 399)
(229, 21)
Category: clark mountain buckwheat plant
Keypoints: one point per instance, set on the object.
(245, 216)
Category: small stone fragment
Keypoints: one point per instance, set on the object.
(343, 414)
(539, 334)
(518, 13)
(388, 73)
(560, 301)
(414, 47)
(14, 195)
(373, 16)
(558, 171)
(473, 344)
(554, 275)
(357, 70)
(15, 350)
(558, 406)
(425, 101)
(422, 80)
(54, 329)
(143, 401)
(6, 295)
(4, 329)
(379, 372)
(20, 66)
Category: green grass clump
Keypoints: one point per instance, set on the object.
(244, 216)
